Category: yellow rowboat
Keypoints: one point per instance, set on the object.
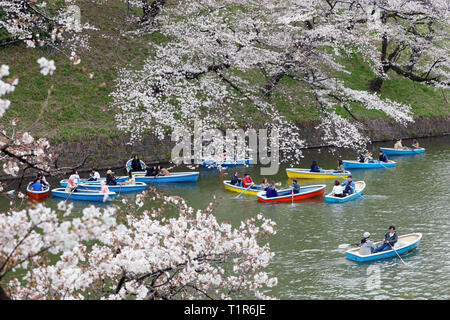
(253, 191)
(323, 174)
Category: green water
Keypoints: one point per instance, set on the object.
(414, 196)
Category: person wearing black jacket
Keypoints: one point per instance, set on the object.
(136, 164)
(383, 157)
(390, 239)
(110, 179)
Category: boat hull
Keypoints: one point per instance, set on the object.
(395, 152)
(348, 164)
(286, 194)
(82, 196)
(249, 192)
(359, 191)
(37, 195)
(400, 247)
(173, 178)
(227, 163)
(122, 187)
(307, 174)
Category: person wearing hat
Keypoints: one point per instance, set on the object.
(110, 179)
(390, 239)
(366, 246)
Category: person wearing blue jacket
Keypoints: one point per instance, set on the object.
(383, 157)
(349, 186)
(296, 186)
(315, 167)
(390, 239)
(271, 191)
(37, 186)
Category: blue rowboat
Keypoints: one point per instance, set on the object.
(407, 152)
(84, 195)
(226, 163)
(128, 166)
(351, 164)
(359, 189)
(121, 187)
(174, 177)
(63, 182)
(405, 244)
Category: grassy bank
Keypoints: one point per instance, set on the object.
(78, 107)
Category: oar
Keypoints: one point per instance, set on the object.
(244, 191)
(333, 174)
(70, 193)
(346, 245)
(292, 196)
(396, 253)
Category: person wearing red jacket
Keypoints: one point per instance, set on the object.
(247, 181)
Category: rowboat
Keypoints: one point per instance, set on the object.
(324, 174)
(174, 177)
(359, 189)
(396, 152)
(37, 194)
(128, 166)
(63, 182)
(404, 244)
(353, 164)
(253, 191)
(121, 187)
(285, 195)
(82, 195)
(226, 163)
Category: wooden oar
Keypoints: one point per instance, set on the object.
(333, 174)
(396, 253)
(70, 193)
(244, 191)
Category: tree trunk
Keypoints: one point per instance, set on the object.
(3, 295)
(376, 84)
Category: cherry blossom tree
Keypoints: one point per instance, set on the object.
(140, 254)
(224, 58)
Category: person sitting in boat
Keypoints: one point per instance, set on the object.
(383, 157)
(315, 167)
(264, 185)
(151, 171)
(362, 159)
(295, 186)
(398, 145)
(235, 180)
(164, 172)
(271, 191)
(247, 181)
(368, 157)
(110, 179)
(349, 186)
(94, 175)
(37, 186)
(366, 246)
(41, 177)
(340, 166)
(338, 190)
(131, 179)
(103, 187)
(136, 164)
(390, 239)
(415, 144)
(73, 181)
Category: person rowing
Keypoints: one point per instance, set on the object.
(315, 167)
(390, 239)
(366, 246)
(37, 185)
(73, 181)
(415, 144)
(349, 186)
(247, 180)
(271, 191)
(398, 145)
(383, 157)
(131, 179)
(295, 186)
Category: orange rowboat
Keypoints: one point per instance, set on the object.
(37, 194)
(286, 195)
